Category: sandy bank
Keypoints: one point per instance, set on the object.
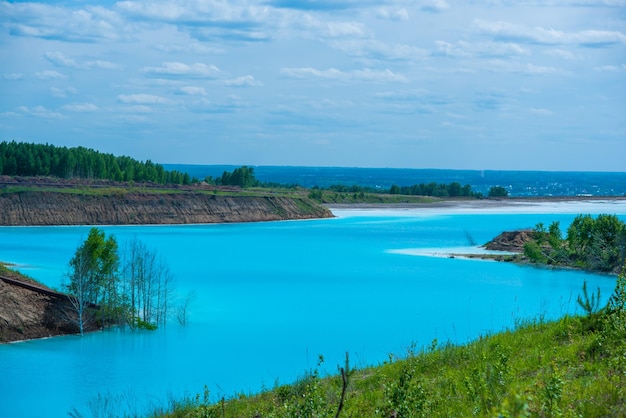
(574, 205)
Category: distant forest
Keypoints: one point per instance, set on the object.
(24, 159)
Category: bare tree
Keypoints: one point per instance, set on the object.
(80, 290)
(147, 285)
(182, 310)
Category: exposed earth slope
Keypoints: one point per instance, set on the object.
(29, 310)
(33, 207)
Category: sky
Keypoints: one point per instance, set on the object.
(485, 85)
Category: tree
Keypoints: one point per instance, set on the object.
(242, 177)
(79, 290)
(147, 285)
(498, 191)
(93, 278)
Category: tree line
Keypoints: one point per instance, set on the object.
(597, 244)
(134, 288)
(453, 189)
(29, 159)
(243, 177)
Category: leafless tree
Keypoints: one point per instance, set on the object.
(147, 285)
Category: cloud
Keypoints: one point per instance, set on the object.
(193, 90)
(310, 25)
(611, 68)
(206, 20)
(62, 93)
(435, 6)
(48, 75)
(541, 112)
(13, 76)
(479, 49)
(141, 99)
(335, 74)
(179, 69)
(510, 31)
(373, 49)
(39, 112)
(244, 81)
(562, 53)
(81, 107)
(60, 60)
(40, 20)
(502, 66)
(392, 14)
(319, 5)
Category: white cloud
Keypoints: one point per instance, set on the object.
(48, 75)
(562, 53)
(480, 49)
(315, 27)
(542, 112)
(611, 68)
(179, 69)
(81, 107)
(538, 69)
(39, 112)
(61, 60)
(373, 49)
(507, 30)
(244, 81)
(193, 90)
(142, 99)
(62, 93)
(61, 23)
(435, 5)
(392, 14)
(335, 74)
(13, 76)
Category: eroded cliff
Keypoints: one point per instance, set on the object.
(132, 208)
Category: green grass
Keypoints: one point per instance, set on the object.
(573, 367)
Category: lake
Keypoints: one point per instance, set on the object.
(269, 298)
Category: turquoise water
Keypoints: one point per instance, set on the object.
(271, 297)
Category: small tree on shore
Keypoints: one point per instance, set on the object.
(79, 290)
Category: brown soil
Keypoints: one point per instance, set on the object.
(29, 310)
(54, 202)
(511, 241)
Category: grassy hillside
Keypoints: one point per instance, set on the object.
(572, 367)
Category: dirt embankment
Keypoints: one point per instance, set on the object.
(29, 310)
(135, 208)
(512, 241)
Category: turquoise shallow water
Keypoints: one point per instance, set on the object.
(271, 297)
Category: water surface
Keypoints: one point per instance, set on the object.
(271, 297)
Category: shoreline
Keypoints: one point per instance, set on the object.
(565, 204)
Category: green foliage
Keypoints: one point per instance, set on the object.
(498, 191)
(242, 177)
(589, 304)
(136, 295)
(24, 159)
(453, 189)
(593, 244)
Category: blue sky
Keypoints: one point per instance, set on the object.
(530, 85)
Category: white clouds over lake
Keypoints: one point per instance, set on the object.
(430, 83)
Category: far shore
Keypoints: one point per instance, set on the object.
(561, 204)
